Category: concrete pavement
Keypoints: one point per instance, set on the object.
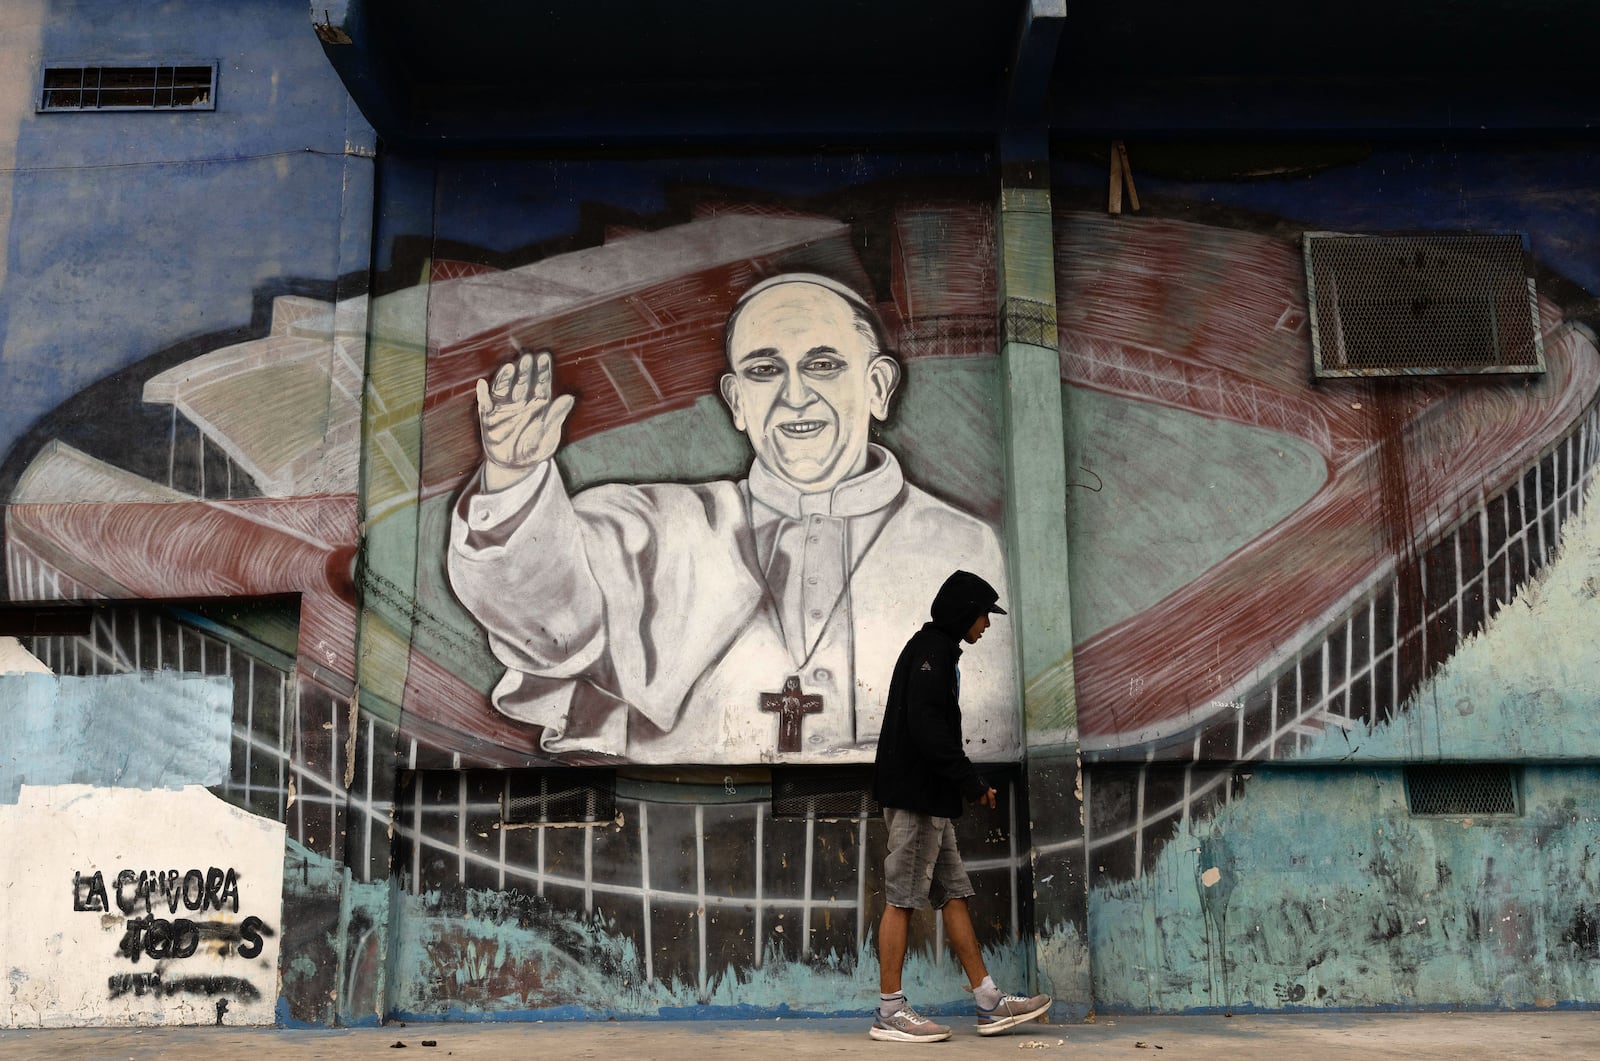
(1400, 1036)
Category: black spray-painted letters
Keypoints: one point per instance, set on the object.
(145, 894)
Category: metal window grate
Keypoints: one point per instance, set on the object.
(1479, 790)
(47, 620)
(801, 793)
(559, 796)
(128, 87)
(1393, 305)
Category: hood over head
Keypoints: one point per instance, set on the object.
(963, 597)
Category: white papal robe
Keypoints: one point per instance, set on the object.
(651, 621)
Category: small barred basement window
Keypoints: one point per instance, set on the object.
(809, 793)
(45, 620)
(1460, 791)
(1428, 304)
(559, 797)
(128, 87)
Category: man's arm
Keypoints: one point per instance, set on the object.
(516, 549)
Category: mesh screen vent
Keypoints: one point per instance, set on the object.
(1421, 305)
(1476, 790)
(823, 794)
(556, 796)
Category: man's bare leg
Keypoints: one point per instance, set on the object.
(893, 929)
(963, 941)
(996, 1010)
(896, 1020)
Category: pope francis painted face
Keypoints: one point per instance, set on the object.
(805, 381)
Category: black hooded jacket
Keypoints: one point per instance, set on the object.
(920, 764)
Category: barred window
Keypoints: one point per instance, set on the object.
(128, 87)
(1426, 304)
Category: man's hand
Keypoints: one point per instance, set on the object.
(989, 799)
(518, 422)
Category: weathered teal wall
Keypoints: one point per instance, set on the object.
(508, 954)
(1316, 888)
(1329, 892)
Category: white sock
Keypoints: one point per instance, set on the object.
(987, 994)
(887, 1004)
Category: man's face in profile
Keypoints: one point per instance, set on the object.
(805, 381)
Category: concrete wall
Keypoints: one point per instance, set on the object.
(245, 443)
(698, 895)
(1279, 583)
(172, 917)
(136, 244)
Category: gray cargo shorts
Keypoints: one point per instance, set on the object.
(923, 865)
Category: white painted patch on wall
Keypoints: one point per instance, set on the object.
(129, 907)
(15, 659)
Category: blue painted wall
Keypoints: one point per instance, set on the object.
(160, 730)
(147, 238)
(134, 231)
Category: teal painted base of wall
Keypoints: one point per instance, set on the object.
(334, 945)
(1318, 889)
(489, 955)
(1064, 971)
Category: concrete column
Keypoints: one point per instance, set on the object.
(1036, 520)
(387, 572)
(1041, 597)
(1035, 452)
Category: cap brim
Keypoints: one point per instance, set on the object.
(995, 609)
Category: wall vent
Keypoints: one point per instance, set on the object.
(1429, 304)
(128, 87)
(802, 793)
(46, 620)
(1476, 790)
(559, 797)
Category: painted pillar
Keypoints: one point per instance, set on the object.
(391, 464)
(1036, 518)
(1036, 524)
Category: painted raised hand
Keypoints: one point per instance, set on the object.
(518, 420)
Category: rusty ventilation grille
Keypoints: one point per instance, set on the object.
(547, 797)
(1430, 304)
(1460, 791)
(802, 793)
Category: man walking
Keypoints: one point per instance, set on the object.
(920, 778)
